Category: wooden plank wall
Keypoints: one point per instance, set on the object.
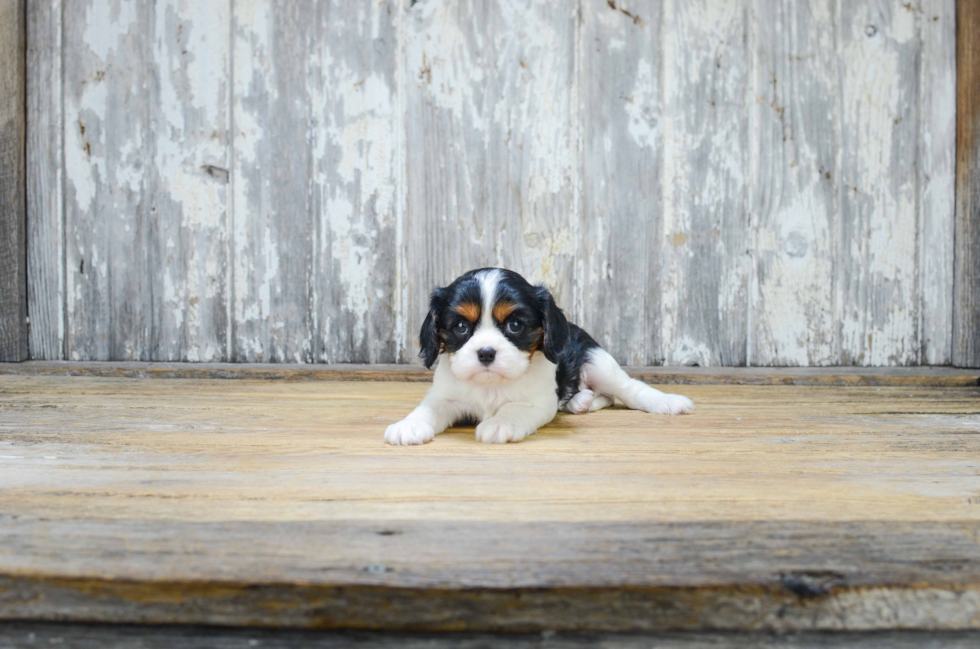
(763, 182)
(966, 313)
(13, 188)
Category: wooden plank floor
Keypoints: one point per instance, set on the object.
(276, 503)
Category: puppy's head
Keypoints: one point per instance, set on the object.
(489, 323)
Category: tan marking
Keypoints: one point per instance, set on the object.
(469, 310)
(503, 309)
(535, 346)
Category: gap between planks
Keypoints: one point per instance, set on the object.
(922, 376)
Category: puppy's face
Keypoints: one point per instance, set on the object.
(489, 323)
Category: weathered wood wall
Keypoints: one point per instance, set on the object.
(13, 187)
(966, 302)
(764, 182)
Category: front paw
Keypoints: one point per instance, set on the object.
(408, 433)
(500, 431)
(673, 404)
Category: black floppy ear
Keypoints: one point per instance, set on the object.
(429, 343)
(555, 325)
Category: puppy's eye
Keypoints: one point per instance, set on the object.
(461, 328)
(514, 326)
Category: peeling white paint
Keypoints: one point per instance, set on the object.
(881, 194)
(792, 197)
(106, 23)
(937, 173)
(689, 352)
(704, 177)
(641, 107)
(440, 59)
(493, 105)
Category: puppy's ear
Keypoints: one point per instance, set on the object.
(555, 325)
(429, 342)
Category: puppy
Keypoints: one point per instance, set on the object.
(508, 361)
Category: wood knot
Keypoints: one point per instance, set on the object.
(806, 585)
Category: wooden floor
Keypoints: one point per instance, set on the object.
(250, 502)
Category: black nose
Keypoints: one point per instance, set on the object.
(486, 355)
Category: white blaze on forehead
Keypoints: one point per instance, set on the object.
(488, 290)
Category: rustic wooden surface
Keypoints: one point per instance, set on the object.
(759, 182)
(706, 67)
(273, 236)
(45, 175)
(22, 635)
(966, 323)
(878, 185)
(620, 83)
(793, 198)
(13, 187)
(359, 178)
(938, 377)
(107, 225)
(186, 130)
(936, 158)
(492, 145)
(276, 503)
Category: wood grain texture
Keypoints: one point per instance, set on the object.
(618, 263)
(794, 123)
(966, 300)
(21, 635)
(186, 189)
(492, 151)
(273, 257)
(45, 175)
(13, 181)
(706, 70)
(830, 454)
(765, 181)
(937, 177)
(358, 140)
(107, 217)
(938, 377)
(878, 285)
(270, 503)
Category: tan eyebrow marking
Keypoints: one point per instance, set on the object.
(503, 309)
(469, 310)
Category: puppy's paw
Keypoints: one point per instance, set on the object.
(409, 433)
(669, 404)
(500, 431)
(581, 402)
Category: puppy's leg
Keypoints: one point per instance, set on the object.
(601, 401)
(587, 401)
(515, 421)
(603, 374)
(581, 403)
(433, 416)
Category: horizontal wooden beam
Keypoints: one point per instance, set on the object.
(848, 375)
(495, 576)
(13, 180)
(30, 635)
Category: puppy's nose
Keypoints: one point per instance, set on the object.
(486, 355)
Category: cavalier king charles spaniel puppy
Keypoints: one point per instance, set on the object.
(508, 361)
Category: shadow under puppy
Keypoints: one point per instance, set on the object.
(509, 360)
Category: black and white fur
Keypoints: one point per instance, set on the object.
(509, 360)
